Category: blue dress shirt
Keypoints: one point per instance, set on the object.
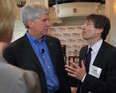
(43, 55)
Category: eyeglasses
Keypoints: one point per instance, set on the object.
(86, 23)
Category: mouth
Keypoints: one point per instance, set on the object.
(83, 32)
(46, 29)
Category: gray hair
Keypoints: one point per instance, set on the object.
(32, 11)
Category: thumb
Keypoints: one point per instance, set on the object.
(82, 64)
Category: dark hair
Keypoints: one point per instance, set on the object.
(100, 21)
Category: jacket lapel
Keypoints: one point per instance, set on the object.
(51, 46)
(83, 54)
(99, 55)
(28, 51)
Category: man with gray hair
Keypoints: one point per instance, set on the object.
(39, 52)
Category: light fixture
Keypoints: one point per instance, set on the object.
(20, 3)
(58, 20)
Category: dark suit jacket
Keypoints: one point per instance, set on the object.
(106, 60)
(21, 54)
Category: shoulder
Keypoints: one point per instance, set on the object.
(108, 52)
(23, 81)
(108, 47)
(19, 41)
(51, 38)
(15, 45)
(16, 72)
(28, 82)
(84, 48)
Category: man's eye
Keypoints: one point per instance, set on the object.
(44, 20)
(85, 23)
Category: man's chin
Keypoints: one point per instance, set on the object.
(84, 38)
(46, 33)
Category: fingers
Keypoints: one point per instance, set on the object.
(83, 66)
(82, 63)
(71, 71)
(75, 65)
(75, 70)
(72, 67)
(72, 75)
(69, 68)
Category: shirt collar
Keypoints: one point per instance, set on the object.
(96, 46)
(33, 39)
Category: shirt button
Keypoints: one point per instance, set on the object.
(48, 66)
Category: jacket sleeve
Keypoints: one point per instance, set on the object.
(27, 83)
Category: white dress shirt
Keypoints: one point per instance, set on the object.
(94, 52)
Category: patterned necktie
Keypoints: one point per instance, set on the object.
(88, 59)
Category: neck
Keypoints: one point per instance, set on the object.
(35, 35)
(93, 41)
(1, 50)
(3, 45)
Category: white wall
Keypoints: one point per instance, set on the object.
(111, 12)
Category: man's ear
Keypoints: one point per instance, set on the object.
(30, 23)
(100, 30)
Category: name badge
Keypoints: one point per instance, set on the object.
(95, 71)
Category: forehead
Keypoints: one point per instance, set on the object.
(41, 17)
(89, 20)
(44, 16)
